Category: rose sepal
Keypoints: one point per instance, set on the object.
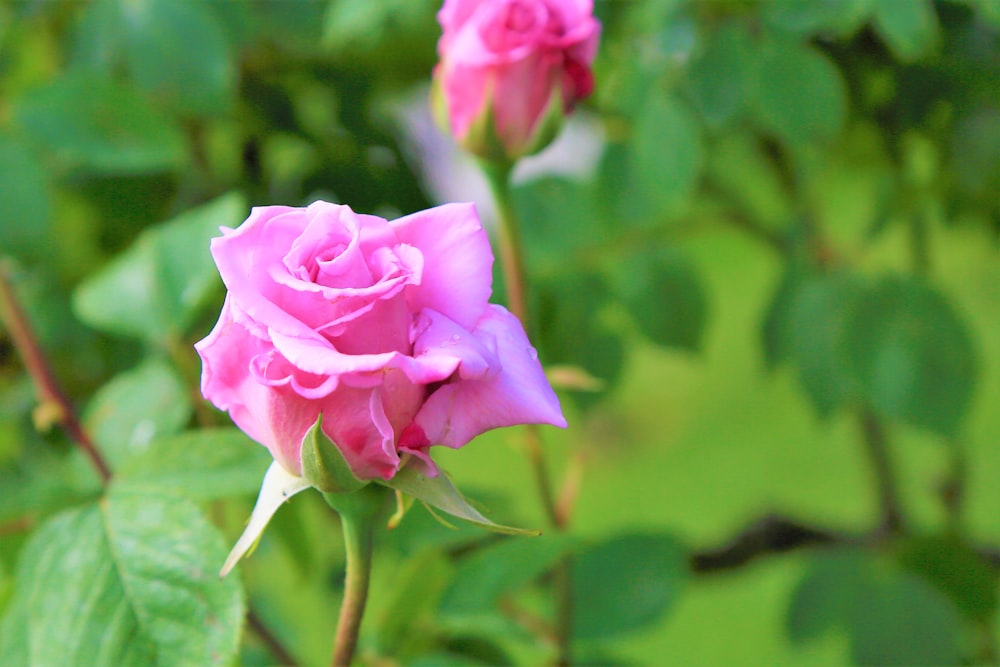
(482, 138)
(323, 464)
(438, 492)
(548, 125)
(278, 486)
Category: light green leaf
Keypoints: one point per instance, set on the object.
(439, 493)
(91, 122)
(909, 28)
(156, 288)
(136, 407)
(720, 75)
(128, 582)
(203, 465)
(665, 153)
(800, 95)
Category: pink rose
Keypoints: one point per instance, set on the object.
(509, 66)
(383, 328)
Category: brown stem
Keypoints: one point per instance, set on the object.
(877, 444)
(770, 535)
(53, 406)
(270, 640)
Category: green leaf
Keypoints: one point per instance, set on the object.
(177, 52)
(720, 75)
(817, 16)
(482, 578)
(570, 330)
(410, 599)
(439, 493)
(912, 354)
(91, 122)
(892, 617)
(665, 297)
(665, 155)
(626, 583)
(800, 96)
(130, 581)
(825, 596)
(909, 28)
(156, 289)
(203, 465)
(559, 218)
(25, 185)
(901, 620)
(136, 407)
(955, 569)
(817, 330)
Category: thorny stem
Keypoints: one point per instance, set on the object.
(512, 265)
(53, 406)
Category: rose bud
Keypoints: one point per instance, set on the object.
(510, 70)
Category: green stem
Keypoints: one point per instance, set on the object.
(877, 443)
(508, 238)
(358, 511)
(515, 278)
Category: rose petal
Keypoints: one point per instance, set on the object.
(458, 262)
(518, 394)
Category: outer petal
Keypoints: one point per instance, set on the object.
(274, 416)
(518, 394)
(458, 261)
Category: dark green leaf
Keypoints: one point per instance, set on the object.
(203, 465)
(825, 596)
(799, 96)
(892, 617)
(625, 583)
(956, 570)
(136, 407)
(88, 121)
(909, 28)
(506, 566)
(130, 581)
(665, 297)
(901, 620)
(560, 218)
(912, 354)
(817, 329)
(570, 329)
(156, 288)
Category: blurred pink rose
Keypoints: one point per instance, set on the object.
(508, 66)
(383, 327)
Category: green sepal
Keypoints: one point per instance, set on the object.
(482, 139)
(548, 126)
(438, 492)
(324, 466)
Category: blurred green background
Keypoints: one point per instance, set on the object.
(771, 234)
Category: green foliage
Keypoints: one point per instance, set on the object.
(129, 581)
(788, 224)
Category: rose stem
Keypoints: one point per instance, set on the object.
(512, 265)
(357, 519)
(53, 406)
